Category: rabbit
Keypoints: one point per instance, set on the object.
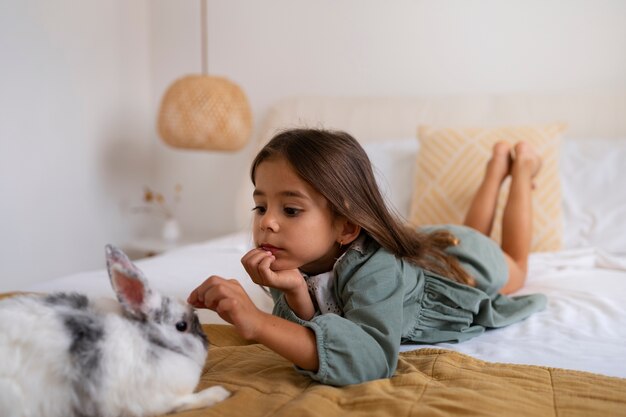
(65, 354)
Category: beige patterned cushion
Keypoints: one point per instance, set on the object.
(450, 166)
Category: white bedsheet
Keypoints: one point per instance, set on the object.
(583, 327)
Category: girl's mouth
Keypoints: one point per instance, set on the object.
(269, 248)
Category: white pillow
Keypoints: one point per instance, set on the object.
(593, 181)
(394, 167)
(593, 175)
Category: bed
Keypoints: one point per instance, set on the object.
(569, 359)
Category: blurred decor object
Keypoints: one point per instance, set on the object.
(171, 230)
(156, 203)
(205, 112)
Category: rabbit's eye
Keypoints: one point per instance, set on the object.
(181, 326)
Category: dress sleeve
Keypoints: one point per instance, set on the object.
(363, 344)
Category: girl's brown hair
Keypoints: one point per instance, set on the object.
(336, 165)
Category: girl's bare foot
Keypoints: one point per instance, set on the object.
(526, 160)
(499, 166)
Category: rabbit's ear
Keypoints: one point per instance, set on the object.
(130, 291)
(117, 256)
(130, 286)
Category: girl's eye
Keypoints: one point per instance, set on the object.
(259, 209)
(290, 211)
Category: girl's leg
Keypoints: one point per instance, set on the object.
(483, 207)
(517, 216)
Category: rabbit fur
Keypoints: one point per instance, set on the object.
(67, 355)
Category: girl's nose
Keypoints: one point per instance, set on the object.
(268, 222)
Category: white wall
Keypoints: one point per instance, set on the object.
(81, 83)
(75, 140)
(210, 180)
(280, 47)
(277, 48)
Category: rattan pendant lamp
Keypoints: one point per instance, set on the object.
(205, 112)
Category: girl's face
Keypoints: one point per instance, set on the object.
(293, 220)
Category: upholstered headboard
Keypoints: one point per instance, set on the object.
(381, 118)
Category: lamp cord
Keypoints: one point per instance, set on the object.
(204, 35)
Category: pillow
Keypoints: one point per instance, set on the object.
(594, 203)
(450, 166)
(393, 163)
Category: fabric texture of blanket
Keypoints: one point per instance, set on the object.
(427, 382)
(433, 382)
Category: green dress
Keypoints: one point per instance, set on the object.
(386, 301)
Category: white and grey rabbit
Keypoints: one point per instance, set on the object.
(69, 355)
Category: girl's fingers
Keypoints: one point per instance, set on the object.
(193, 297)
(249, 258)
(197, 296)
(225, 306)
(215, 293)
(252, 261)
(221, 289)
(262, 274)
(229, 300)
(264, 269)
(254, 258)
(196, 302)
(245, 258)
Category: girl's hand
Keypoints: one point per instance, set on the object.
(257, 264)
(231, 302)
(226, 297)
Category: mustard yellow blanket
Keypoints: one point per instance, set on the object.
(428, 382)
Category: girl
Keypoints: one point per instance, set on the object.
(350, 281)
